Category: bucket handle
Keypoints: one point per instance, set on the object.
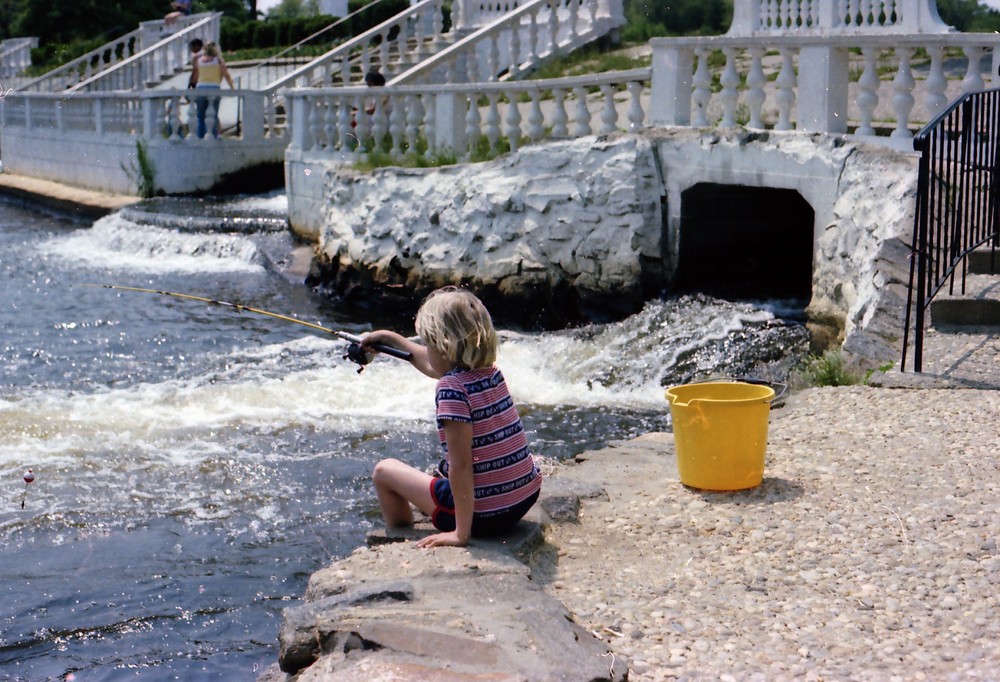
(779, 395)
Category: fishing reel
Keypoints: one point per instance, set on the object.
(357, 354)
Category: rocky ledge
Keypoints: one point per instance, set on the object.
(391, 611)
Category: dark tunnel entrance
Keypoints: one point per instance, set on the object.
(743, 243)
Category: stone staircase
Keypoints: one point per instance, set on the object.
(979, 305)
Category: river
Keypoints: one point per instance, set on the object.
(193, 465)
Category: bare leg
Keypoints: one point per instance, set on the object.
(397, 486)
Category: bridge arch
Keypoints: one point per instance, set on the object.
(742, 242)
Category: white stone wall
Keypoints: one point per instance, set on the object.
(107, 163)
(586, 216)
(570, 216)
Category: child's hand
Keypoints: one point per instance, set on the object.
(442, 540)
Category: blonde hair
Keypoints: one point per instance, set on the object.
(212, 50)
(456, 324)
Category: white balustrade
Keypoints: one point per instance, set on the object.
(846, 89)
(829, 17)
(512, 37)
(15, 56)
(499, 115)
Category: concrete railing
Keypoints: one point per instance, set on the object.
(456, 118)
(279, 65)
(157, 61)
(405, 39)
(517, 41)
(89, 139)
(85, 66)
(15, 56)
(753, 17)
(831, 84)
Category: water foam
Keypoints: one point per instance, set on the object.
(151, 250)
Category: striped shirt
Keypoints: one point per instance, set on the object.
(503, 470)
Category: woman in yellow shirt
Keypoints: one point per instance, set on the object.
(208, 71)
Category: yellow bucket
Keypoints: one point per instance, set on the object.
(720, 432)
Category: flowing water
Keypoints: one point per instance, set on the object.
(193, 465)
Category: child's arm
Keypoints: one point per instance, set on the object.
(459, 437)
(418, 353)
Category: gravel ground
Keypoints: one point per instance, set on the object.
(869, 552)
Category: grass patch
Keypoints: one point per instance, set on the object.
(828, 369)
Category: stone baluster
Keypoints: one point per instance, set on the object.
(429, 107)
(767, 14)
(592, 4)
(553, 26)
(636, 116)
(472, 124)
(346, 137)
(573, 8)
(362, 122)
(345, 70)
(868, 86)
(582, 115)
(314, 121)
(413, 119)
(383, 51)
(536, 121)
(559, 117)
(438, 20)
(512, 122)
(174, 121)
(785, 94)
(397, 124)
(936, 82)
(330, 124)
(730, 94)
(973, 80)
(380, 124)
(755, 87)
(492, 121)
(609, 115)
(515, 51)
(493, 58)
(533, 36)
(420, 37)
(702, 88)
(192, 122)
(903, 85)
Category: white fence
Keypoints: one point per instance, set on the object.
(837, 84)
(15, 56)
(457, 119)
(90, 139)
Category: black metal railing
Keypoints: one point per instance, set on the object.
(957, 203)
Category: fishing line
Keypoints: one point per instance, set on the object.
(355, 352)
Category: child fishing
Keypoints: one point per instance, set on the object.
(488, 479)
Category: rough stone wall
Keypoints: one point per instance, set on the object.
(579, 230)
(569, 230)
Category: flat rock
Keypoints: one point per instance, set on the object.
(397, 612)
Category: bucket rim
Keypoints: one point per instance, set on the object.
(769, 394)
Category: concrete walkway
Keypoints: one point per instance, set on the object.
(82, 203)
(869, 552)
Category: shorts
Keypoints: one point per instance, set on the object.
(484, 524)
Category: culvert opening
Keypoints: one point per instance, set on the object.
(743, 243)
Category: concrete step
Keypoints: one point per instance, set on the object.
(978, 306)
(983, 259)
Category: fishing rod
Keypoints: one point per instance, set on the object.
(355, 352)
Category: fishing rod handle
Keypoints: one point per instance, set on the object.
(380, 347)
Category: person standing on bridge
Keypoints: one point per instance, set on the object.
(208, 70)
(178, 9)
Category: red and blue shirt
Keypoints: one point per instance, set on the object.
(503, 470)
